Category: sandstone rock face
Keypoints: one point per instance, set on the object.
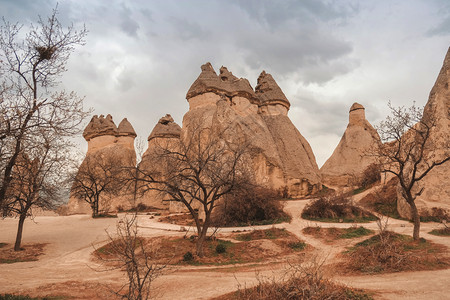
(165, 135)
(279, 154)
(350, 158)
(436, 185)
(106, 142)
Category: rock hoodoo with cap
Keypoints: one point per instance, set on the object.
(106, 141)
(351, 157)
(281, 157)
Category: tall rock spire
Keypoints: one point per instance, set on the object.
(126, 129)
(438, 105)
(436, 192)
(349, 160)
(268, 91)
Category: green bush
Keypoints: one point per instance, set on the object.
(221, 248)
(298, 246)
(188, 256)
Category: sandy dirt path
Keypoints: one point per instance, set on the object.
(71, 239)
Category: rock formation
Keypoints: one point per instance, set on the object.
(106, 141)
(436, 186)
(280, 156)
(165, 135)
(350, 158)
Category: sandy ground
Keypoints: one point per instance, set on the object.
(72, 239)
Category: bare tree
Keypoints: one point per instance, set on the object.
(38, 178)
(408, 155)
(128, 252)
(197, 171)
(98, 177)
(30, 67)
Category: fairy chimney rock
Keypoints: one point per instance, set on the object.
(166, 128)
(126, 129)
(356, 114)
(100, 126)
(436, 192)
(349, 160)
(271, 97)
(126, 134)
(213, 86)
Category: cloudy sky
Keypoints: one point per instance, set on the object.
(142, 56)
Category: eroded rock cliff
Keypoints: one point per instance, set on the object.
(351, 157)
(107, 143)
(436, 188)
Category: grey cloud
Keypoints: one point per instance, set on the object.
(442, 29)
(274, 14)
(296, 51)
(128, 24)
(186, 29)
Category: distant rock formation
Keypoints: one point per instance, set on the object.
(436, 185)
(166, 128)
(106, 141)
(351, 157)
(165, 135)
(280, 156)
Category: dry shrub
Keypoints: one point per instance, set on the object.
(301, 281)
(128, 252)
(392, 252)
(435, 214)
(441, 231)
(252, 206)
(371, 175)
(335, 207)
(383, 200)
(28, 252)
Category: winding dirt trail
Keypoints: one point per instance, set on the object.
(71, 239)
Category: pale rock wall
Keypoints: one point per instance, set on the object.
(273, 110)
(100, 142)
(436, 185)
(105, 140)
(352, 155)
(299, 165)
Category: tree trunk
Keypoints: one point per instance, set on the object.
(19, 232)
(200, 241)
(202, 236)
(416, 219)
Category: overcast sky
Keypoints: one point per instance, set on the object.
(142, 56)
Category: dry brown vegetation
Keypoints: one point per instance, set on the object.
(383, 200)
(259, 246)
(370, 176)
(337, 208)
(73, 290)
(179, 219)
(441, 231)
(301, 281)
(28, 252)
(393, 252)
(253, 206)
(330, 235)
(435, 214)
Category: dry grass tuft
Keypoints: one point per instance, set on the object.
(391, 252)
(337, 208)
(301, 281)
(28, 252)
